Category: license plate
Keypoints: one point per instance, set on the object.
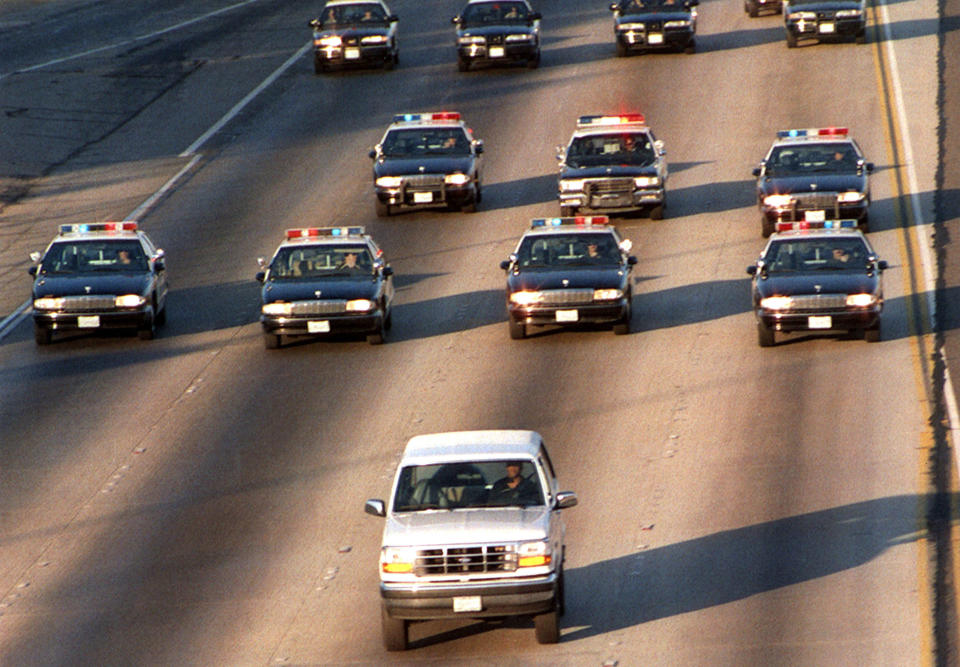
(496, 52)
(351, 53)
(655, 38)
(567, 316)
(318, 326)
(88, 321)
(422, 197)
(467, 603)
(815, 216)
(819, 322)
(827, 28)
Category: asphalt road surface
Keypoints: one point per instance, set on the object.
(197, 499)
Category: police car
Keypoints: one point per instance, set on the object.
(427, 160)
(648, 25)
(492, 32)
(325, 280)
(98, 276)
(825, 20)
(753, 7)
(355, 32)
(813, 174)
(815, 277)
(613, 164)
(569, 271)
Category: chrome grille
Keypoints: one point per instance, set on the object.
(816, 302)
(566, 297)
(816, 200)
(457, 560)
(415, 181)
(80, 304)
(609, 186)
(331, 307)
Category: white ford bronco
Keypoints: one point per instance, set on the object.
(473, 529)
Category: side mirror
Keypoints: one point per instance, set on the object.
(533, 16)
(456, 20)
(658, 144)
(631, 260)
(159, 264)
(691, 3)
(882, 265)
(478, 146)
(752, 270)
(387, 271)
(33, 270)
(614, 7)
(869, 166)
(375, 507)
(505, 265)
(372, 154)
(393, 18)
(316, 24)
(757, 171)
(565, 499)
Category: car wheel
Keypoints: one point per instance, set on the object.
(864, 224)
(383, 209)
(471, 206)
(621, 50)
(561, 595)
(547, 627)
(148, 332)
(791, 40)
(318, 66)
(872, 335)
(271, 341)
(691, 47)
(568, 211)
(766, 227)
(394, 631)
(518, 330)
(378, 336)
(754, 11)
(534, 62)
(388, 322)
(622, 328)
(161, 317)
(463, 64)
(656, 213)
(861, 37)
(42, 335)
(765, 335)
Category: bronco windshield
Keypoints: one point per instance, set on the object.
(471, 484)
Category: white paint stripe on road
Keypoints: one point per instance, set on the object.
(132, 40)
(141, 210)
(11, 321)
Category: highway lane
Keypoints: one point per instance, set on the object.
(197, 499)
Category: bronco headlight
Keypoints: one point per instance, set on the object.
(631, 26)
(129, 301)
(333, 40)
(397, 560)
(533, 554)
(646, 181)
(374, 39)
(467, 40)
(48, 303)
(777, 201)
(683, 23)
(776, 303)
(277, 308)
(607, 294)
(861, 300)
(456, 179)
(851, 197)
(526, 298)
(848, 13)
(389, 181)
(571, 185)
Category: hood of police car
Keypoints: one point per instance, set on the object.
(424, 164)
(91, 283)
(572, 277)
(468, 525)
(814, 183)
(364, 287)
(845, 281)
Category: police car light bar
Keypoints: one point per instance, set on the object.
(786, 226)
(313, 232)
(85, 228)
(619, 119)
(422, 117)
(575, 220)
(813, 132)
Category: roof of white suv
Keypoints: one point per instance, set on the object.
(471, 445)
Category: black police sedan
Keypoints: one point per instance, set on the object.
(497, 31)
(648, 25)
(355, 32)
(427, 160)
(98, 276)
(825, 20)
(754, 7)
(817, 277)
(569, 271)
(815, 174)
(325, 280)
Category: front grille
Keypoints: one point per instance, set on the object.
(819, 302)
(495, 39)
(423, 181)
(827, 15)
(81, 304)
(654, 26)
(458, 560)
(604, 186)
(329, 307)
(816, 200)
(567, 297)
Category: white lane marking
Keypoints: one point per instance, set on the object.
(11, 321)
(921, 229)
(132, 40)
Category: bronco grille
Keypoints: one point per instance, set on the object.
(331, 307)
(457, 560)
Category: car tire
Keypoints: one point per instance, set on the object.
(161, 317)
(861, 37)
(873, 334)
(148, 332)
(568, 211)
(394, 630)
(518, 330)
(621, 50)
(864, 224)
(691, 47)
(318, 66)
(791, 40)
(561, 594)
(379, 336)
(622, 328)
(754, 11)
(271, 341)
(382, 208)
(656, 213)
(42, 335)
(534, 62)
(765, 335)
(766, 227)
(463, 64)
(547, 627)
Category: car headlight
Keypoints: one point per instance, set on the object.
(526, 297)
(456, 179)
(607, 294)
(805, 16)
(571, 185)
(397, 560)
(520, 38)
(861, 300)
(277, 308)
(333, 40)
(776, 303)
(359, 305)
(631, 26)
(389, 181)
(129, 301)
(374, 39)
(533, 554)
(851, 197)
(777, 201)
(467, 39)
(682, 23)
(848, 13)
(48, 303)
(646, 181)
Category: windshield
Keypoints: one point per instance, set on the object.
(629, 149)
(487, 13)
(506, 483)
(93, 256)
(353, 14)
(553, 250)
(426, 141)
(321, 261)
(821, 254)
(635, 6)
(799, 159)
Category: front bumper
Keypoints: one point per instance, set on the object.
(424, 196)
(649, 40)
(139, 318)
(322, 325)
(830, 320)
(498, 53)
(352, 55)
(825, 29)
(856, 211)
(497, 598)
(610, 312)
(613, 202)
